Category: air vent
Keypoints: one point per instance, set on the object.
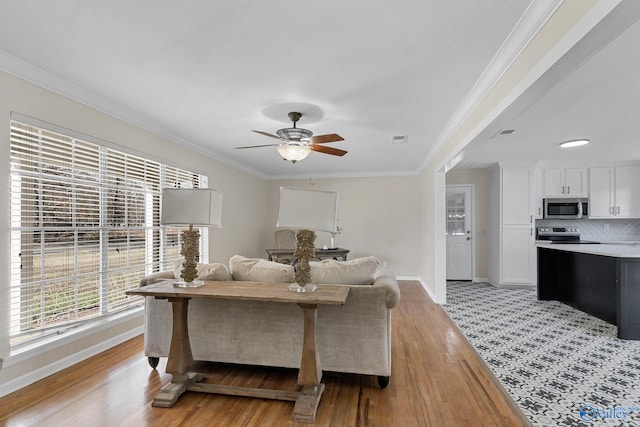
(399, 139)
(503, 133)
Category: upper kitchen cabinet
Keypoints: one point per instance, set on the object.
(614, 192)
(560, 182)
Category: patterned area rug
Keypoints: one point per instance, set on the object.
(561, 366)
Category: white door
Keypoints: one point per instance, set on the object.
(459, 235)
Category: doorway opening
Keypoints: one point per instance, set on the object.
(459, 232)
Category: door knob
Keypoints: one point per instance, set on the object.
(468, 238)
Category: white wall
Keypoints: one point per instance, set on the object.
(244, 197)
(380, 216)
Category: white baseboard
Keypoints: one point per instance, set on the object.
(45, 371)
(423, 284)
(512, 285)
(480, 280)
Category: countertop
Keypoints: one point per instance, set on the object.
(618, 249)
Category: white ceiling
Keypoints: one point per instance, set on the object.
(205, 73)
(597, 99)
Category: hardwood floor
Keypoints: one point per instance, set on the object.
(437, 380)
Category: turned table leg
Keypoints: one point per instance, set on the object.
(180, 357)
(310, 371)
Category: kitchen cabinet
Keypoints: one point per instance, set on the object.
(614, 192)
(569, 182)
(518, 254)
(517, 196)
(602, 285)
(538, 199)
(511, 237)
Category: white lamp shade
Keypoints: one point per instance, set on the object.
(308, 209)
(201, 207)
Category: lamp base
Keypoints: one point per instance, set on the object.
(183, 284)
(302, 288)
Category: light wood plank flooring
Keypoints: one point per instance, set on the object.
(437, 380)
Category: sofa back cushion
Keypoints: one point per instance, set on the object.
(260, 270)
(359, 271)
(214, 271)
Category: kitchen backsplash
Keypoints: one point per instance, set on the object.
(599, 229)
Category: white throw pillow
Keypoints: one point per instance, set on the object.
(359, 271)
(260, 270)
(213, 271)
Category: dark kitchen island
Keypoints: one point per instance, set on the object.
(601, 280)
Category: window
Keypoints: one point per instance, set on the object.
(85, 228)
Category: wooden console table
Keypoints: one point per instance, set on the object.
(285, 256)
(180, 362)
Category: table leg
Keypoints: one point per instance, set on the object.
(310, 371)
(180, 358)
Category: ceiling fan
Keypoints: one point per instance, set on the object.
(297, 143)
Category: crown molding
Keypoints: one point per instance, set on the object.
(530, 23)
(42, 78)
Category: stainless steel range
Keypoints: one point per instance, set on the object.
(560, 235)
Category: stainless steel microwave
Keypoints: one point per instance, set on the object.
(566, 208)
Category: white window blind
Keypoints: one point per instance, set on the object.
(85, 228)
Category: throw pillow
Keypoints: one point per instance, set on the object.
(260, 270)
(359, 271)
(213, 271)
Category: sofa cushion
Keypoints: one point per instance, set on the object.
(359, 271)
(260, 270)
(213, 271)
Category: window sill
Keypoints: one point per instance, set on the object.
(52, 342)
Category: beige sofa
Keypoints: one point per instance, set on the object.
(353, 338)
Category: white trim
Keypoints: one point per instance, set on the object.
(529, 24)
(440, 239)
(480, 280)
(80, 332)
(40, 77)
(423, 284)
(58, 365)
(371, 174)
(514, 286)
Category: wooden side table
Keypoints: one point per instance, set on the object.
(180, 363)
(285, 256)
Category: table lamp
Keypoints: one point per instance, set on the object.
(200, 207)
(308, 211)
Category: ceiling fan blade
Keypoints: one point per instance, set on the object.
(328, 150)
(256, 146)
(323, 139)
(270, 135)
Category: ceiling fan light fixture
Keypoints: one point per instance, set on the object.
(294, 134)
(293, 152)
(574, 143)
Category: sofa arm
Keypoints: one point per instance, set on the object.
(156, 277)
(384, 278)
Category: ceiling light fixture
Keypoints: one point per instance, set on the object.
(574, 143)
(293, 152)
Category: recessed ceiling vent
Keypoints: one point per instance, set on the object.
(399, 139)
(503, 133)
